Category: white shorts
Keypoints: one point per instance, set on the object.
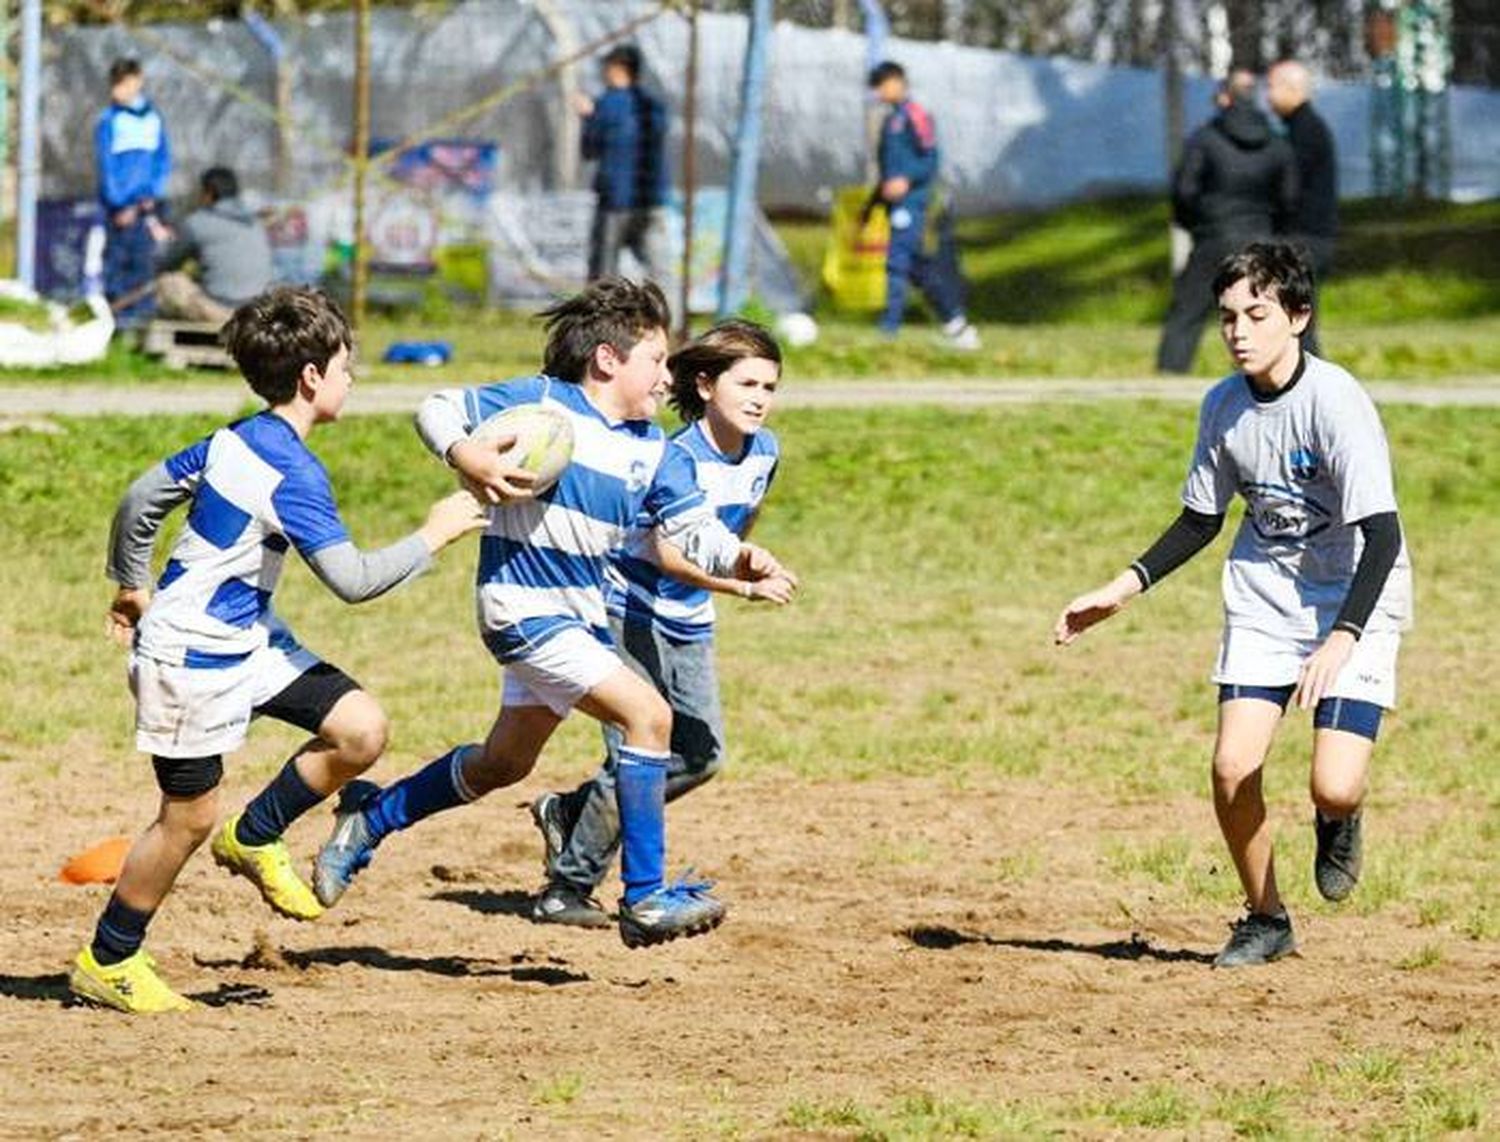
(188, 711)
(1252, 658)
(559, 672)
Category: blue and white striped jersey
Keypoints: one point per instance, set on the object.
(256, 490)
(542, 562)
(734, 487)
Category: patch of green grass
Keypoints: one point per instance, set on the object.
(1427, 956)
(1158, 1107)
(917, 1116)
(1257, 1112)
(560, 1090)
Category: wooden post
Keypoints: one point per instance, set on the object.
(361, 157)
(689, 173)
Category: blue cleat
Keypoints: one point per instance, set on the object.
(349, 848)
(684, 908)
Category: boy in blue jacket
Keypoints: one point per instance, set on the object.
(132, 160)
(908, 162)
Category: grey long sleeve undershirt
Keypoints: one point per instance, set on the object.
(353, 575)
(132, 535)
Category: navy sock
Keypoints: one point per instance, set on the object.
(436, 786)
(275, 807)
(120, 932)
(641, 793)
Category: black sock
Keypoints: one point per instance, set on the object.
(275, 807)
(120, 932)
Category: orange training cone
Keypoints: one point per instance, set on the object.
(100, 864)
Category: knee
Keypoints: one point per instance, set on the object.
(649, 725)
(361, 745)
(1335, 797)
(358, 730)
(1232, 771)
(712, 767)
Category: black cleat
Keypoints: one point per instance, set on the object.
(562, 903)
(549, 814)
(1257, 939)
(1340, 855)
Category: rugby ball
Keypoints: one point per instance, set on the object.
(544, 439)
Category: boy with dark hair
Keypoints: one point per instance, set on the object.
(1317, 589)
(230, 246)
(661, 611)
(908, 162)
(541, 595)
(208, 653)
(132, 160)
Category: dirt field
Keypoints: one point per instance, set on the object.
(886, 938)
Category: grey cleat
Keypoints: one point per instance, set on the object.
(348, 849)
(563, 903)
(1340, 855)
(1257, 939)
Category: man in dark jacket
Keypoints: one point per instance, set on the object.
(1237, 182)
(626, 131)
(1316, 223)
(232, 251)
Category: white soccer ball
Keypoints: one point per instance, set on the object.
(544, 440)
(797, 329)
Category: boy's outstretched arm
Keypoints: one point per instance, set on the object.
(1188, 534)
(777, 588)
(132, 537)
(356, 576)
(444, 421)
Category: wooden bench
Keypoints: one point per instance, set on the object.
(184, 344)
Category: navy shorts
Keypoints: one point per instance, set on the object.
(1348, 714)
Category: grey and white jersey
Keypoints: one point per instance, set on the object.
(1311, 464)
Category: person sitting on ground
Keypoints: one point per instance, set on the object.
(231, 248)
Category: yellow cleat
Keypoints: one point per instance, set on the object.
(131, 985)
(269, 868)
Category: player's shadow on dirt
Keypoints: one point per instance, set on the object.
(54, 989)
(510, 902)
(938, 937)
(519, 969)
(233, 995)
(51, 988)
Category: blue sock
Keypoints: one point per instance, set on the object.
(641, 793)
(275, 807)
(438, 785)
(120, 932)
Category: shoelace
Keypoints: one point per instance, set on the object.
(688, 889)
(1341, 842)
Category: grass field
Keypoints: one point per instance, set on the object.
(941, 797)
(1073, 292)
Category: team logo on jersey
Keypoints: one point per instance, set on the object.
(1281, 514)
(1304, 463)
(758, 487)
(639, 477)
